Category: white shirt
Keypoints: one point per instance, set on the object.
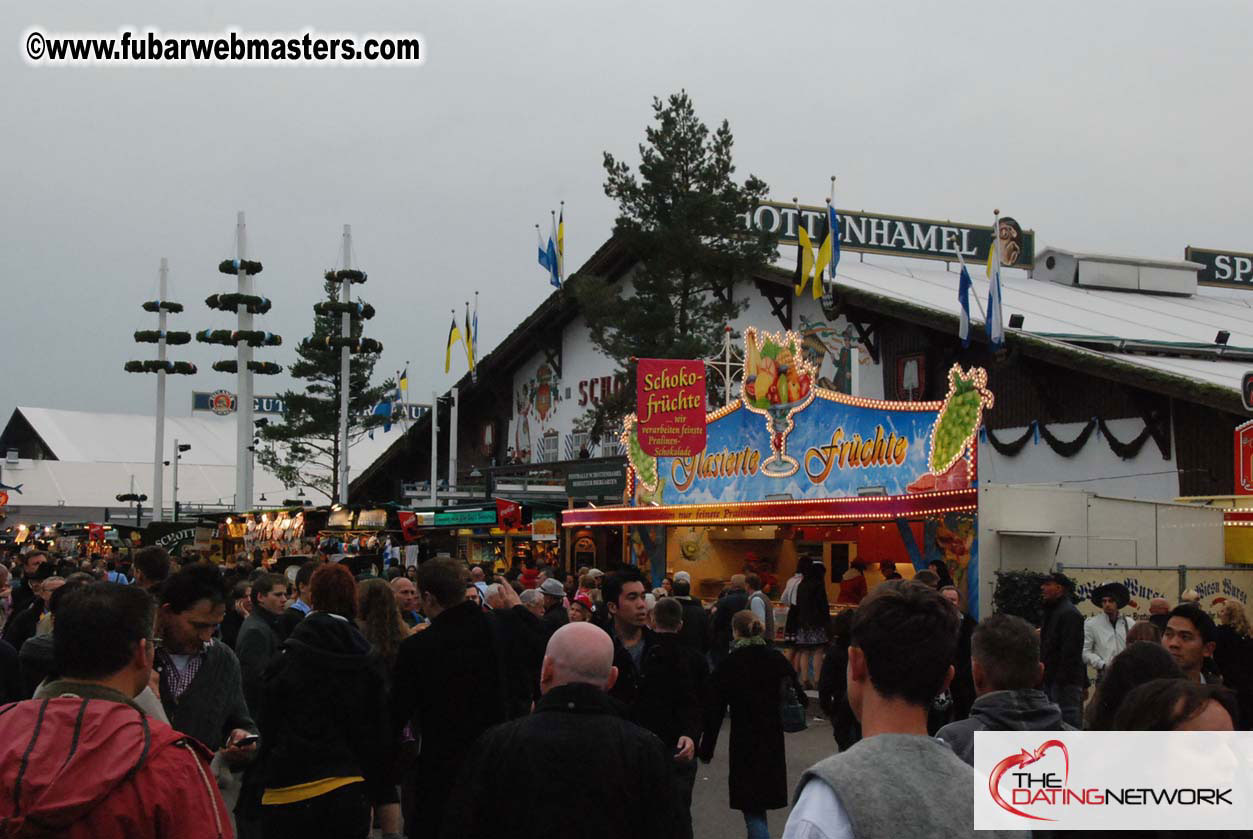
(1103, 640)
(758, 608)
(788, 598)
(818, 814)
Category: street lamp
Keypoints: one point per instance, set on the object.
(138, 499)
(179, 448)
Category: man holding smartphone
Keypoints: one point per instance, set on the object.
(201, 685)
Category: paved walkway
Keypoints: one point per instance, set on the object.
(712, 816)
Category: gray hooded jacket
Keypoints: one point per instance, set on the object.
(1002, 710)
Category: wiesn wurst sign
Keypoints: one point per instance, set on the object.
(670, 406)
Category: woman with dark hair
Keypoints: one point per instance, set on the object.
(324, 726)
(1141, 662)
(1178, 705)
(813, 616)
(750, 681)
(940, 567)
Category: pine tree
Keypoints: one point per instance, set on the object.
(304, 449)
(682, 220)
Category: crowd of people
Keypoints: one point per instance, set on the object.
(444, 700)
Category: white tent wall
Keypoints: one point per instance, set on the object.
(1034, 528)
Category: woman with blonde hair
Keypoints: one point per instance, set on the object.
(1233, 654)
(378, 618)
(750, 681)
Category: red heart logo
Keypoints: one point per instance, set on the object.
(1025, 758)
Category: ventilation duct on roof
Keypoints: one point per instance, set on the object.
(1118, 273)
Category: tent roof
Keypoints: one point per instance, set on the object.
(1122, 326)
(96, 453)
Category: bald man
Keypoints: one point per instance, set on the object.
(1159, 612)
(575, 740)
(407, 599)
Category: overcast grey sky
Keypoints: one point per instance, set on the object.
(1122, 127)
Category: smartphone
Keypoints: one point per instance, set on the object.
(250, 740)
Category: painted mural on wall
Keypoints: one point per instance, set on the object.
(786, 437)
(833, 349)
(535, 403)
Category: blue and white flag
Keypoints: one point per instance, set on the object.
(386, 408)
(548, 259)
(543, 251)
(964, 286)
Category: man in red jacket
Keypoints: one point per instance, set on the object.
(86, 761)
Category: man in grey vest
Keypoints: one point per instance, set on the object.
(896, 781)
(760, 605)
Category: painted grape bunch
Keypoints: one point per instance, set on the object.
(967, 397)
(645, 464)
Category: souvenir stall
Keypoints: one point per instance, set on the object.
(262, 536)
(790, 470)
(498, 534)
(366, 539)
(85, 540)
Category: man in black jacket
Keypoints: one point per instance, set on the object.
(1061, 649)
(623, 593)
(24, 624)
(258, 639)
(734, 599)
(31, 571)
(521, 637)
(573, 741)
(695, 631)
(555, 614)
(671, 691)
(447, 686)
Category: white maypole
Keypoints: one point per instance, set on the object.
(158, 467)
(349, 312)
(161, 366)
(245, 303)
(345, 364)
(243, 356)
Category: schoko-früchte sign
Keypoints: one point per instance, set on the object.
(670, 406)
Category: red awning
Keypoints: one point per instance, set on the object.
(857, 508)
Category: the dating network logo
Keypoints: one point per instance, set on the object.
(1106, 780)
(1046, 781)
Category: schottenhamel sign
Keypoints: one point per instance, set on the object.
(898, 235)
